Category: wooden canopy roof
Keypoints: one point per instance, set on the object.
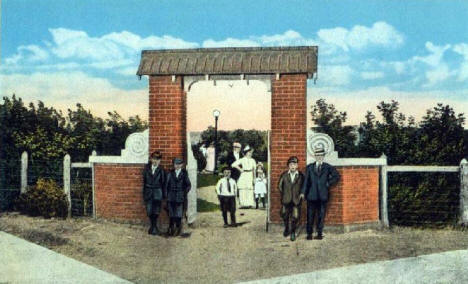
(229, 61)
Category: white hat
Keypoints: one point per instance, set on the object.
(319, 151)
(247, 148)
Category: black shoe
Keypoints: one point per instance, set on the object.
(170, 231)
(233, 225)
(155, 231)
(293, 236)
(225, 225)
(309, 237)
(286, 232)
(177, 232)
(150, 230)
(319, 237)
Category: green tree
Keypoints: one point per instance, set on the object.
(327, 119)
(441, 137)
(394, 136)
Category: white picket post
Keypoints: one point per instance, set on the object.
(463, 219)
(24, 172)
(66, 180)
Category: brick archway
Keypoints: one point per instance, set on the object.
(287, 68)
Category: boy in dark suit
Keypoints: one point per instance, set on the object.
(319, 177)
(178, 185)
(154, 182)
(290, 184)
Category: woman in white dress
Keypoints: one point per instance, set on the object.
(245, 184)
(210, 158)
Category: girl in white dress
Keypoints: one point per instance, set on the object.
(245, 183)
(260, 188)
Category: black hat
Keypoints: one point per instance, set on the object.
(293, 159)
(177, 161)
(225, 168)
(156, 155)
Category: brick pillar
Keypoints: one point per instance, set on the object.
(288, 130)
(167, 118)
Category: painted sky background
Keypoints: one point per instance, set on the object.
(64, 52)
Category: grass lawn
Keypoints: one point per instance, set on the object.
(207, 180)
(206, 206)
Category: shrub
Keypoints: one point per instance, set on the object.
(45, 199)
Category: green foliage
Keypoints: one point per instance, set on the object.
(206, 206)
(423, 199)
(48, 135)
(394, 136)
(327, 119)
(45, 199)
(207, 180)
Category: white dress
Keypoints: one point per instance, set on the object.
(210, 159)
(260, 187)
(245, 183)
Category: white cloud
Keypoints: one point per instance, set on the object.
(435, 56)
(359, 37)
(114, 46)
(462, 49)
(27, 53)
(437, 74)
(64, 89)
(288, 38)
(371, 75)
(335, 75)
(230, 42)
(127, 71)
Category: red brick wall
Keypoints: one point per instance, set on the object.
(359, 193)
(118, 192)
(167, 118)
(288, 130)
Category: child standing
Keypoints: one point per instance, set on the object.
(260, 189)
(226, 189)
(178, 185)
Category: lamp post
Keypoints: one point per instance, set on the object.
(216, 114)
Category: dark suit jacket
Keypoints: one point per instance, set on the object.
(178, 187)
(290, 190)
(315, 185)
(235, 174)
(154, 186)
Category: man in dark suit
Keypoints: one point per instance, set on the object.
(232, 157)
(178, 185)
(289, 185)
(154, 182)
(319, 177)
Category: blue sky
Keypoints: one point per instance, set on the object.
(63, 52)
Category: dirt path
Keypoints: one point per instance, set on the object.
(213, 254)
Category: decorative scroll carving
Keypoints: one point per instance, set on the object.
(136, 147)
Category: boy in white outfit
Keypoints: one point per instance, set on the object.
(226, 189)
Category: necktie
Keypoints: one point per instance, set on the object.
(228, 185)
